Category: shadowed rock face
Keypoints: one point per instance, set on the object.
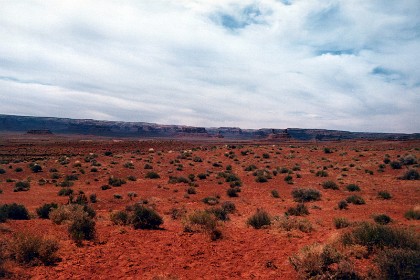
(141, 129)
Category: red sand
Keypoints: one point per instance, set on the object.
(243, 252)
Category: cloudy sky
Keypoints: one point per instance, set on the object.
(349, 64)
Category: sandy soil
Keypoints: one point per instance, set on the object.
(243, 252)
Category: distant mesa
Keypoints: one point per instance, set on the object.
(59, 126)
(39, 131)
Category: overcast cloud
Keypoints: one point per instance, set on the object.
(349, 65)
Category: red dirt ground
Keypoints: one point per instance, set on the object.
(243, 252)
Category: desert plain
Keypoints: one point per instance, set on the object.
(204, 176)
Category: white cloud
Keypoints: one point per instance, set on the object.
(349, 65)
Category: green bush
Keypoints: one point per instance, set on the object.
(341, 222)
(411, 174)
(44, 211)
(116, 182)
(384, 195)
(275, 194)
(2, 171)
(120, 218)
(342, 205)
(321, 173)
(259, 219)
(202, 176)
(375, 236)
(330, 185)
(232, 192)
(31, 249)
(152, 175)
(65, 192)
(211, 200)
(228, 206)
(395, 165)
(382, 219)
(82, 227)
(22, 186)
(305, 195)
(353, 188)
(355, 199)
(299, 210)
(14, 212)
(412, 214)
(36, 168)
(398, 264)
(145, 218)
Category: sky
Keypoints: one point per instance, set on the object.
(348, 65)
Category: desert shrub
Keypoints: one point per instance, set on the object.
(353, 188)
(228, 206)
(71, 177)
(342, 205)
(18, 169)
(197, 159)
(321, 173)
(408, 160)
(82, 227)
(327, 150)
(132, 178)
(108, 153)
(120, 218)
(145, 218)
(232, 192)
(355, 199)
(22, 186)
(69, 212)
(375, 236)
(275, 194)
(152, 175)
(382, 219)
(80, 199)
(117, 196)
(299, 210)
(116, 182)
(180, 179)
(44, 211)
(305, 195)
(36, 168)
(14, 212)
(259, 219)
(412, 214)
(211, 200)
(251, 167)
(93, 198)
(219, 212)
(105, 187)
(65, 192)
(395, 165)
(341, 222)
(203, 221)
(288, 179)
(384, 195)
(288, 223)
(27, 248)
(2, 171)
(191, 190)
(66, 184)
(261, 179)
(411, 174)
(202, 176)
(128, 165)
(330, 185)
(319, 261)
(148, 166)
(398, 264)
(131, 195)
